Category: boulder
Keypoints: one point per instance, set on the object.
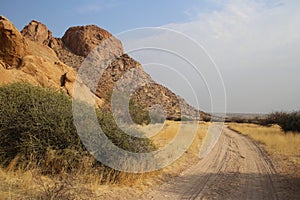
(13, 46)
(31, 61)
(38, 32)
(55, 43)
(81, 40)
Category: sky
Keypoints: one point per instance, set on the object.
(251, 46)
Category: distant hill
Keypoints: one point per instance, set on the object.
(240, 117)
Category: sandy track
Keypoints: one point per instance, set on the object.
(236, 168)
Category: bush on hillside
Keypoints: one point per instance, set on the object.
(33, 119)
(137, 113)
(37, 122)
(121, 139)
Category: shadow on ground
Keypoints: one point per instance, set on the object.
(232, 186)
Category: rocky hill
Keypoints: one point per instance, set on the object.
(35, 56)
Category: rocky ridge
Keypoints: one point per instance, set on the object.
(35, 56)
(23, 60)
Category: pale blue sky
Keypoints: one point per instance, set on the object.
(113, 15)
(255, 43)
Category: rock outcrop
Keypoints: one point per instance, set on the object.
(81, 40)
(30, 61)
(13, 46)
(38, 58)
(175, 107)
(38, 32)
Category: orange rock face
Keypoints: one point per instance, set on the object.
(81, 40)
(13, 47)
(27, 59)
(38, 32)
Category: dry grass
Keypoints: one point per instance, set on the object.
(284, 148)
(164, 135)
(191, 155)
(88, 183)
(30, 183)
(85, 183)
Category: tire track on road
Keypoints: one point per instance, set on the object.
(236, 168)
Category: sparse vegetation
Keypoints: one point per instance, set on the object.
(138, 114)
(206, 118)
(168, 132)
(284, 147)
(42, 156)
(183, 118)
(240, 119)
(121, 139)
(287, 121)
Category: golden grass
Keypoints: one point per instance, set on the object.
(86, 183)
(279, 145)
(22, 183)
(164, 136)
(191, 155)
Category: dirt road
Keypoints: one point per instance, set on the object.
(236, 168)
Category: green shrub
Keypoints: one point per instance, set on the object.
(138, 114)
(121, 139)
(33, 119)
(37, 122)
(157, 117)
(206, 117)
(287, 121)
(185, 119)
